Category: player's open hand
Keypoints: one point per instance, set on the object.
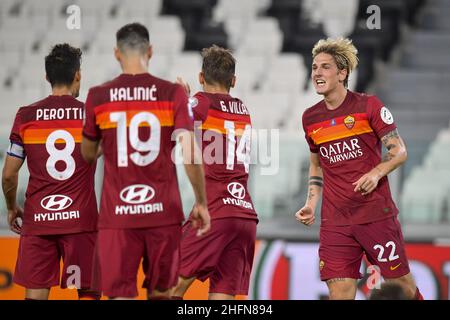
(368, 182)
(13, 220)
(200, 219)
(185, 85)
(306, 216)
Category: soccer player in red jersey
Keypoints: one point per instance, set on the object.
(225, 254)
(60, 214)
(345, 132)
(138, 118)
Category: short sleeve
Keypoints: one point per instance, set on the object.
(16, 146)
(90, 127)
(312, 146)
(201, 107)
(182, 117)
(380, 118)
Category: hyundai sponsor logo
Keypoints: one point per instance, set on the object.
(56, 202)
(237, 190)
(137, 193)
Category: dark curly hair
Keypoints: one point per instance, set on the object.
(62, 63)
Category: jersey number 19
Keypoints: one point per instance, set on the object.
(150, 146)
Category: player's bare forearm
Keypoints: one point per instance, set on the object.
(196, 177)
(10, 178)
(394, 158)
(99, 151)
(89, 149)
(193, 165)
(315, 182)
(314, 191)
(9, 185)
(396, 153)
(190, 149)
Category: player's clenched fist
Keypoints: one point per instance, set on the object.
(13, 219)
(306, 216)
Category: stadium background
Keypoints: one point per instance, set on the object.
(404, 59)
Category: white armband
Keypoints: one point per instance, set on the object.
(16, 150)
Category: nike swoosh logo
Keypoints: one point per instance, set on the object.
(395, 267)
(317, 130)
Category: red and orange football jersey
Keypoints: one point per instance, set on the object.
(60, 197)
(226, 136)
(348, 141)
(135, 117)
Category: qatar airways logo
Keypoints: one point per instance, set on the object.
(341, 151)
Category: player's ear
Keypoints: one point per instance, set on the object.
(233, 82)
(78, 76)
(342, 75)
(201, 78)
(150, 52)
(46, 78)
(117, 54)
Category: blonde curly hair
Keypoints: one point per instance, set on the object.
(343, 52)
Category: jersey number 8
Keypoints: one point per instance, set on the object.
(64, 155)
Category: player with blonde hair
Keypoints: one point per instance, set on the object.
(344, 132)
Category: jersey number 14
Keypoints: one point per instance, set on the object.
(243, 148)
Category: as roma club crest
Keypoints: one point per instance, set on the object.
(349, 122)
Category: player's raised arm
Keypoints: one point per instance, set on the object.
(194, 170)
(393, 159)
(315, 183)
(10, 179)
(185, 85)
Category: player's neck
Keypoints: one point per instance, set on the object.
(134, 65)
(62, 91)
(215, 89)
(335, 98)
